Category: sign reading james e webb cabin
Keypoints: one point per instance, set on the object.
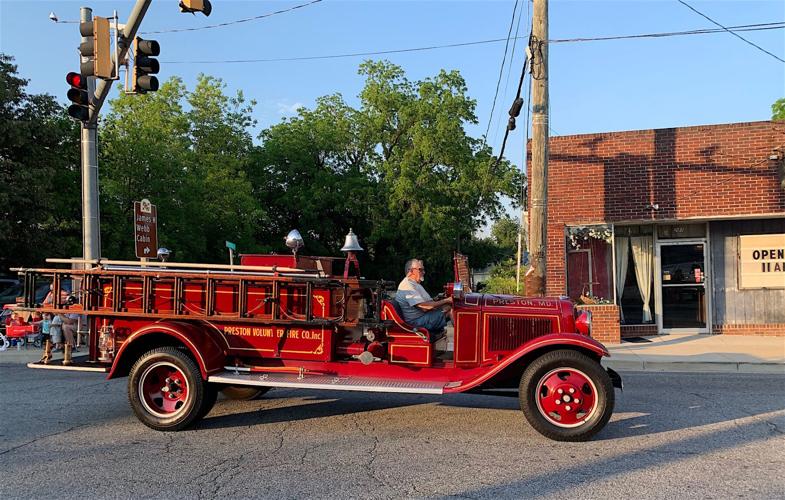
(762, 261)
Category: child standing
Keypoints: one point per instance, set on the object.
(46, 324)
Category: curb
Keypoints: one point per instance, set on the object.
(695, 366)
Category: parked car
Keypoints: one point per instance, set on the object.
(9, 294)
(6, 281)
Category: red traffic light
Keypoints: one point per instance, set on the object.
(75, 80)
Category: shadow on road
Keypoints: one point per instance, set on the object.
(288, 406)
(640, 410)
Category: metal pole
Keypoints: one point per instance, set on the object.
(535, 277)
(91, 227)
(91, 243)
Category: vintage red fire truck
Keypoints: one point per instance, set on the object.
(183, 332)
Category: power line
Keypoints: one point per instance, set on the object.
(746, 27)
(509, 66)
(501, 70)
(703, 31)
(513, 112)
(729, 31)
(237, 21)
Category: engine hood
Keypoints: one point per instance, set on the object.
(514, 303)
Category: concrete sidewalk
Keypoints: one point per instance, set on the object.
(662, 353)
(700, 353)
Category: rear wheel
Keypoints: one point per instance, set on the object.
(243, 393)
(166, 390)
(566, 396)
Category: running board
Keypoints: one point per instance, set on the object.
(328, 382)
(80, 364)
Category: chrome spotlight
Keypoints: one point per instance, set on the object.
(163, 254)
(294, 240)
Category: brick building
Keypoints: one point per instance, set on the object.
(671, 230)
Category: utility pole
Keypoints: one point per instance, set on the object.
(538, 234)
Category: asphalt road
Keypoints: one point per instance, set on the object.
(70, 435)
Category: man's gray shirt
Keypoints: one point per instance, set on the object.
(409, 294)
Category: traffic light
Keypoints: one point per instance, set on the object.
(145, 66)
(78, 96)
(194, 6)
(96, 50)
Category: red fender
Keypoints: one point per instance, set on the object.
(200, 341)
(560, 340)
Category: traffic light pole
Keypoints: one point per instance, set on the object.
(91, 224)
(98, 90)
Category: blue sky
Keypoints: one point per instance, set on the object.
(595, 86)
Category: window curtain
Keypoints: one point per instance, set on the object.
(622, 256)
(643, 256)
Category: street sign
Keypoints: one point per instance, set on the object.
(145, 229)
(231, 246)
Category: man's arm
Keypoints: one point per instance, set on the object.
(434, 304)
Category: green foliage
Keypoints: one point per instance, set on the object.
(399, 169)
(39, 175)
(778, 110)
(500, 249)
(188, 152)
(501, 245)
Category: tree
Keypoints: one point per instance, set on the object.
(39, 175)
(400, 170)
(312, 174)
(190, 163)
(778, 110)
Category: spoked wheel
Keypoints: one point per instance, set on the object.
(566, 396)
(243, 393)
(166, 390)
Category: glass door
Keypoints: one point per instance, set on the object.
(682, 278)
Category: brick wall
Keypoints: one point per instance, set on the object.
(604, 322)
(770, 330)
(704, 171)
(638, 330)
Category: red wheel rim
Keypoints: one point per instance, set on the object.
(163, 389)
(566, 397)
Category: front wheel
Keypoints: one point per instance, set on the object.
(166, 390)
(566, 396)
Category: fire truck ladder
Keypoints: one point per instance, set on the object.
(191, 291)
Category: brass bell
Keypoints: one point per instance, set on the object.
(351, 244)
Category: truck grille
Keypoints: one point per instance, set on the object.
(508, 332)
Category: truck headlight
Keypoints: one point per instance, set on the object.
(583, 322)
